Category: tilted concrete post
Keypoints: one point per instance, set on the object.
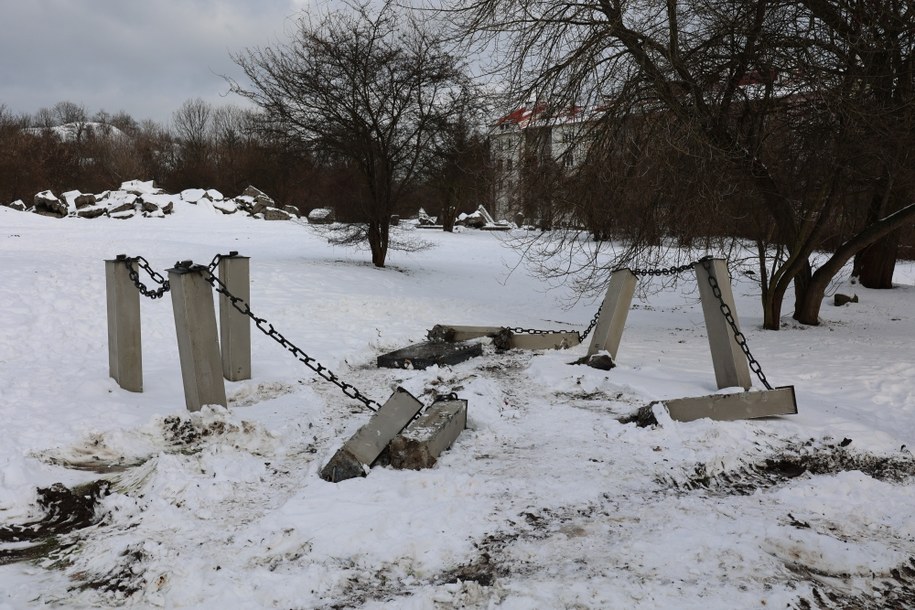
(198, 344)
(125, 355)
(235, 327)
(613, 313)
(731, 368)
(362, 449)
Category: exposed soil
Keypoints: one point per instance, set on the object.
(65, 510)
(892, 591)
(125, 579)
(809, 458)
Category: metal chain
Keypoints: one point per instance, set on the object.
(658, 271)
(584, 335)
(517, 330)
(142, 263)
(676, 270)
(265, 327)
(729, 316)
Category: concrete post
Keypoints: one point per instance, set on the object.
(424, 440)
(613, 313)
(362, 449)
(731, 368)
(198, 344)
(234, 327)
(125, 356)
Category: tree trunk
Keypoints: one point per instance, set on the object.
(772, 309)
(803, 283)
(808, 310)
(378, 240)
(875, 264)
(807, 307)
(449, 210)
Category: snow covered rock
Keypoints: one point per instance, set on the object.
(254, 201)
(271, 213)
(139, 187)
(424, 218)
(192, 195)
(91, 212)
(48, 204)
(321, 216)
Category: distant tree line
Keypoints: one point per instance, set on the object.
(66, 147)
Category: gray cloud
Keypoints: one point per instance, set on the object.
(143, 57)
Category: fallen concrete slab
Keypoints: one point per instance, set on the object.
(730, 407)
(554, 340)
(423, 355)
(364, 447)
(504, 338)
(423, 441)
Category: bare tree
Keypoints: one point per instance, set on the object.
(460, 174)
(365, 88)
(745, 86)
(193, 128)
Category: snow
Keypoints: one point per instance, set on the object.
(545, 501)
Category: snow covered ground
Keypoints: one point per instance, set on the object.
(547, 500)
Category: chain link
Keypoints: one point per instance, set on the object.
(676, 270)
(739, 337)
(584, 335)
(265, 327)
(134, 275)
(659, 271)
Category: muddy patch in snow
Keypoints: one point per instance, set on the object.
(811, 458)
(115, 452)
(64, 511)
(893, 590)
(123, 580)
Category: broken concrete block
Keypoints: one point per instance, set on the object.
(364, 447)
(504, 338)
(552, 340)
(420, 444)
(423, 355)
(730, 407)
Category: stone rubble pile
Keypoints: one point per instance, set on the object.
(139, 198)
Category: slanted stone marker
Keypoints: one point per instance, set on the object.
(731, 368)
(235, 327)
(730, 407)
(364, 447)
(430, 353)
(125, 356)
(613, 313)
(198, 342)
(420, 444)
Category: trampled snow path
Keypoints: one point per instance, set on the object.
(546, 501)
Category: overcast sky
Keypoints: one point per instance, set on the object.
(145, 57)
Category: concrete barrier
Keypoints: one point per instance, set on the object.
(355, 457)
(423, 441)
